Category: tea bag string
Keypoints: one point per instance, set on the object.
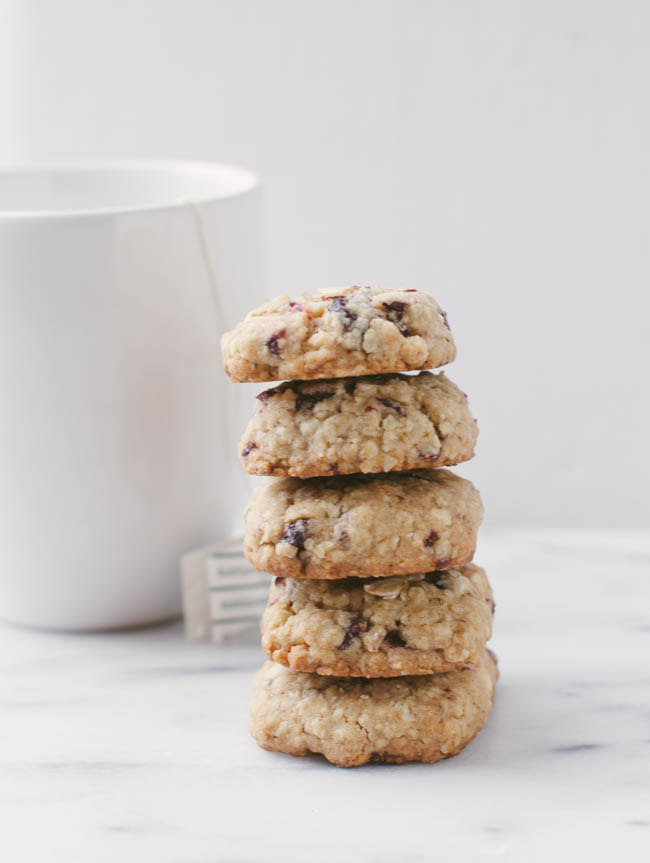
(231, 399)
(199, 223)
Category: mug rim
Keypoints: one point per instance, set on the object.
(243, 181)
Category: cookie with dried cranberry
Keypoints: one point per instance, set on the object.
(362, 525)
(352, 721)
(379, 627)
(359, 425)
(337, 333)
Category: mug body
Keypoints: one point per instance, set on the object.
(118, 425)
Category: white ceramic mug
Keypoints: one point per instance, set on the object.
(117, 424)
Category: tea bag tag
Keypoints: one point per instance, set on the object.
(223, 595)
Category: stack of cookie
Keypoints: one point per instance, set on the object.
(377, 619)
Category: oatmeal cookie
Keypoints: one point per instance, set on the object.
(379, 627)
(363, 525)
(337, 333)
(353, 720)
(359, 425)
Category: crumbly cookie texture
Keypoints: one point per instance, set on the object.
(381, 627)
(353, 720)
(339, 332)
(359, 425)
(363, 525)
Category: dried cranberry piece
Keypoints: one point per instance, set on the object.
(343, 537)
(272, 343)
(393, 405)
(441, 436)
(308, 400)
(399, 308)
(433, 537)
(438, 579)
(394, 638)
(266, 395)
(444, 563)
(396, 306)
(338, 305)
(295, 307)
(296, 532)
(428, 456)
(353, 631)
(279, 581)
(248, 448)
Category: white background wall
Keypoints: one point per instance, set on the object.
(493, 153)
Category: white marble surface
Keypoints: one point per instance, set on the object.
(133, 746)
